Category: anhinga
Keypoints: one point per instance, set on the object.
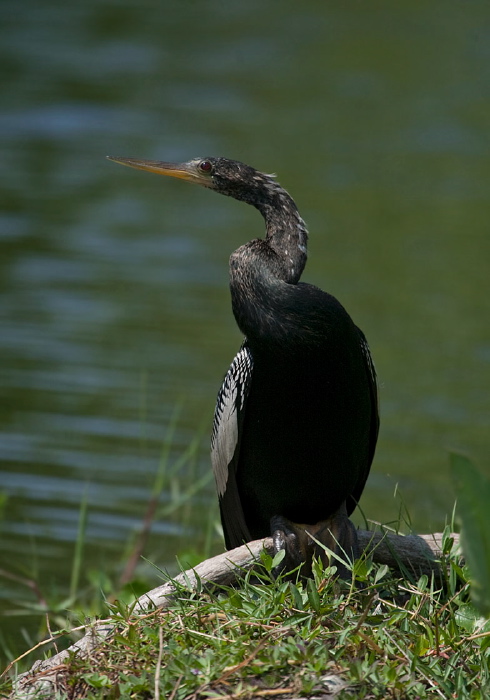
(296, 419)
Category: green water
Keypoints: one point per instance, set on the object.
(115, 307)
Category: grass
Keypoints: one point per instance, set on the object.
(44, 608)
(382, 636)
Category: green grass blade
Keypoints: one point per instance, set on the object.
(473, 492)
(79, 545)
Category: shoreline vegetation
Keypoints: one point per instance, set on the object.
(413, 623)
(419, 554)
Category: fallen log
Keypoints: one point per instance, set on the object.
(418, 554)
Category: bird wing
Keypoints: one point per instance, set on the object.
(225, 443)
(374, 427)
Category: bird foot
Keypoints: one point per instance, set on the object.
(289, 538)
(303, 542)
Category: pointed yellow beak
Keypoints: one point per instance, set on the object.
(183, 171)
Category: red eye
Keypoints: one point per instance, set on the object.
(205, 166)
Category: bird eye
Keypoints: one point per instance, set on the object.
(205, 166)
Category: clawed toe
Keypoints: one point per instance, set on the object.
(297, 545)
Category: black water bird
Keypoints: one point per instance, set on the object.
(296, 419)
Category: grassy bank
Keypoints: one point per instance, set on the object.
(385, 637)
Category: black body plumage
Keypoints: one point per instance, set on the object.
(301, 423)
(296, 419)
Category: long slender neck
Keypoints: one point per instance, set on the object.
(261, 270)
(286, 233)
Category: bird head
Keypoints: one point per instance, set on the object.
(228, 177)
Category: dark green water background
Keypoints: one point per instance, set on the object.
(114, 303)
